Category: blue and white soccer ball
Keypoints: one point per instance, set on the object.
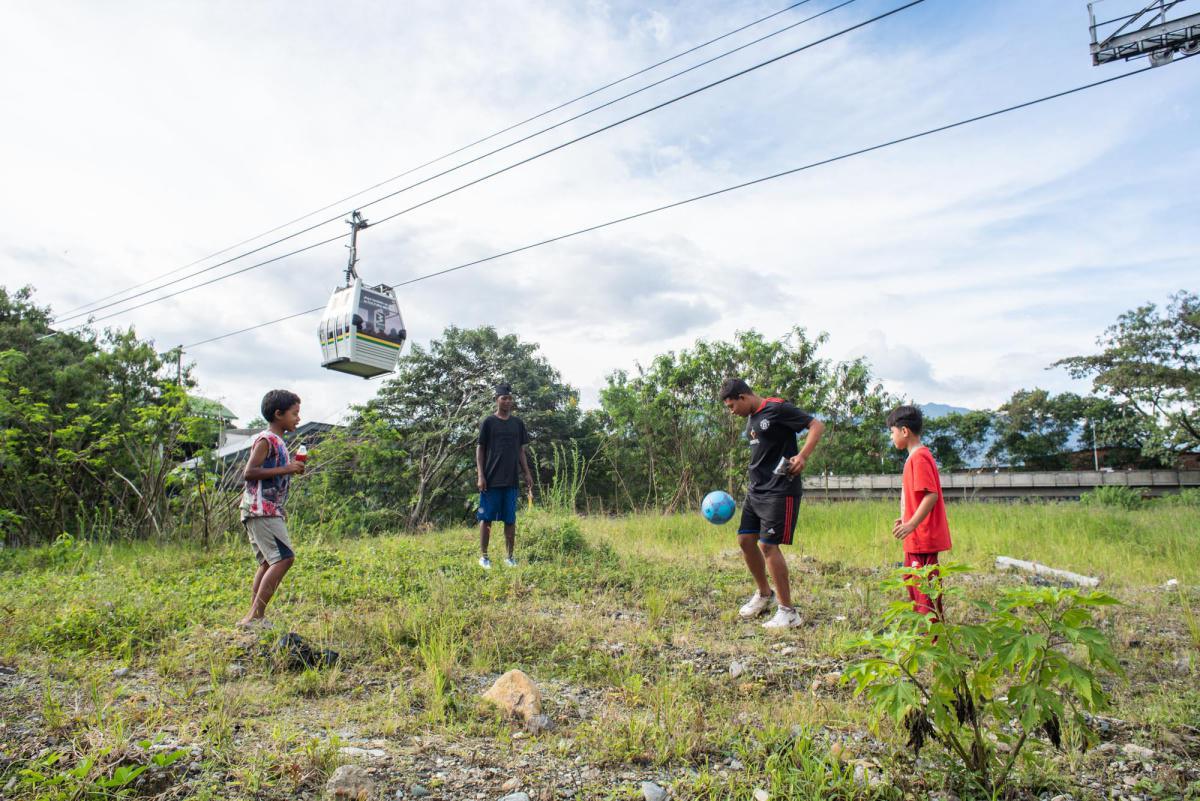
(718, 507)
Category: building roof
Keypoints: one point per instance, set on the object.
(210, 408)
(237, 446)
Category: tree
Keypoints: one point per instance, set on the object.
(959, 440)
(1150, 363)
(420, 430)
(89, 430)
(1033, 429)
(670, 440)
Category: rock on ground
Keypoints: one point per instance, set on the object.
(350, 782)
(1137, 752)
(652, 792)
(516, 694)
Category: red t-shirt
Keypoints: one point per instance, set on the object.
(921, 476)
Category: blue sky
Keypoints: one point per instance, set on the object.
(961, 265)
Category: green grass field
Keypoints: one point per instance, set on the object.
(627, 624)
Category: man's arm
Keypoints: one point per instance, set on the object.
(926, 505)
(256, 472)
(815, 429)
(480, 454)
(524, 462)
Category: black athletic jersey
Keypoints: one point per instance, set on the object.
(502, 441)
(772, 431)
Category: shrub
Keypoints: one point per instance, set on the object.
(553, 538)
(1188, 497)
(1026, 669)
(1119, 497)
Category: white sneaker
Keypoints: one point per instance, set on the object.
(784, 619)
(757, 604)
(510, 562)
(485, 563)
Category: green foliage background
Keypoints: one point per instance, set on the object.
(93, 426)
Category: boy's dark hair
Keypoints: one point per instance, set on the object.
(909, 417)
(277, 400)
(733, 388)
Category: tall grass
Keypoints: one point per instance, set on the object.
(568, 472)
(636, 613)
(1125, 547)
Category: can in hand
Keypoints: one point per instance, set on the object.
(781, 469)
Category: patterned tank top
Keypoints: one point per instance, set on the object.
(266, 497)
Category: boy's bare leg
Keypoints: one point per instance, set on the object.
(778, 568)
(754, 561)
(267, 586)
(258, 577)
(485, 536)
(510, 537)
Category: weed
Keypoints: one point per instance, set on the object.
(655, 602)
(52, 711)
(1119, 497)
(553, 538)
(1189, 619)
(568, 472)
(1031, 660)
(438, 647)
(1187, 498)
(322, 755)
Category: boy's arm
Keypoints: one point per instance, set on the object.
(256, 472)
(815, 429)
(926, 505)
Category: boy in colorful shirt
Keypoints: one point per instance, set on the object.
(922, 525)
(773, 494)
(267, 475)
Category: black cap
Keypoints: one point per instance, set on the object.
(503, 389)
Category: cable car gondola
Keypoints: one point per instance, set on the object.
(361, 331)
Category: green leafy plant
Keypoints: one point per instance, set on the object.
(1024, 666)
(1189, 498)
(553, 538)
(1119, 497)
(90, 777)
(568, 470)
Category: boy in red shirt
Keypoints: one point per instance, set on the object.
(922, 525)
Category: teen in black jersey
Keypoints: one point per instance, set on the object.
(773, 494)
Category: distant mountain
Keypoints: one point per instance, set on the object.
(936, 410)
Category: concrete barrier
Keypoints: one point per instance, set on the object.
(997, 486)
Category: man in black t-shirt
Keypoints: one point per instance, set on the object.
(501, 450)
(773, 494)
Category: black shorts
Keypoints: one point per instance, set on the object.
(771, 517)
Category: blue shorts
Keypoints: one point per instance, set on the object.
(498, 504)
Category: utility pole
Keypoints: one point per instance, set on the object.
(1095, 450)
(179, 365)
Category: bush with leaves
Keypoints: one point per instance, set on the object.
(1113, 497)
(1185, 497)
(1025, 666)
